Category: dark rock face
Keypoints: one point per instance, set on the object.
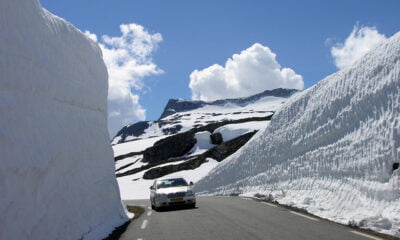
(225, 149)
(174, 146)
(172, 130)
(180, 144)
(176, 105)
(157, 172)
(218, 153)
(136, 130)
(216, 138)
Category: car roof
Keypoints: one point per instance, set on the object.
(169, 178)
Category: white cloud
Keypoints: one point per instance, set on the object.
(128, 60)
(359, 42)
(252, 71)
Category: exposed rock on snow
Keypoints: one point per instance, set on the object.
(182, 143)
(174, 146)
(193, 162)
(216, 138)
(181, 115)
(56, 174)
(218, 153)
(331, 148)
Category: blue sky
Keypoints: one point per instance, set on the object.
(198, 34)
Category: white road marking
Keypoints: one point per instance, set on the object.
(144, 224)
(149, 213)
(140, 239)
(269, 204)
(305, 216)
(366, 235)
(149, 208)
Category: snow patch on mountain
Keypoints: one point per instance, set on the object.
(331, 149)
(135, 187)
(231, 131)
(180, 115)
(203, 143)
(56, 172)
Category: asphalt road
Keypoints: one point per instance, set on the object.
(232, 218)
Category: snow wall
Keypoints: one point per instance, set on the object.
(330, 149)
(57, 176)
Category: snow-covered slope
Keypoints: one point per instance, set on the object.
(134, 186)
(230, 119)
(331, 148)
(56, 174)
(182, 115)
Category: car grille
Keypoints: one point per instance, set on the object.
(176, 203)
(176, 195)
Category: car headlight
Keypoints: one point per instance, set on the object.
(161, 195)
(189, 193)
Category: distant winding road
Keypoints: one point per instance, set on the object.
(229, 218)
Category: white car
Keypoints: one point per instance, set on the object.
(171, 192)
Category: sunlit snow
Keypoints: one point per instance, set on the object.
(330, 149)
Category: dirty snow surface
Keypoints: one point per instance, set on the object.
(57, 177)
(330, 149)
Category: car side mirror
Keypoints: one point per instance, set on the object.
(151, 188)
(191, 183)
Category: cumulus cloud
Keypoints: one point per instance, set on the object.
(250, 72)
(128, 60)
(359, 42)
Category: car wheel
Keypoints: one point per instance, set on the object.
(193, 205)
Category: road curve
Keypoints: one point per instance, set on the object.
(233, 218)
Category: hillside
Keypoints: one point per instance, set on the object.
(182, 115)
(205, 134)
(332, 150)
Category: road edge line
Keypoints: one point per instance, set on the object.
(305, 216)
(365, 235)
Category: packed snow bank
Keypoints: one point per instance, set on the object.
(331, 148)
(57, 175)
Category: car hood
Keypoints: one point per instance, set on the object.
(172, 190)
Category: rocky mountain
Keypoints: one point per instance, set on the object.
(182, 115)
(179, 105)
(190, 138)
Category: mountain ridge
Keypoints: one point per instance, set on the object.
(181, 115)
(186, 105)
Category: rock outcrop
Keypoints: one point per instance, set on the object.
(174, 146)
(218, 153)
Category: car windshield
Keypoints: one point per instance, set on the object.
(176, 182)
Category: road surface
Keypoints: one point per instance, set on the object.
(233, 218)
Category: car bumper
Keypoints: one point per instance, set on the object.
(167, 202)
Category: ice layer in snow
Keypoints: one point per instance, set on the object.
(57, 175)
(330, 149)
